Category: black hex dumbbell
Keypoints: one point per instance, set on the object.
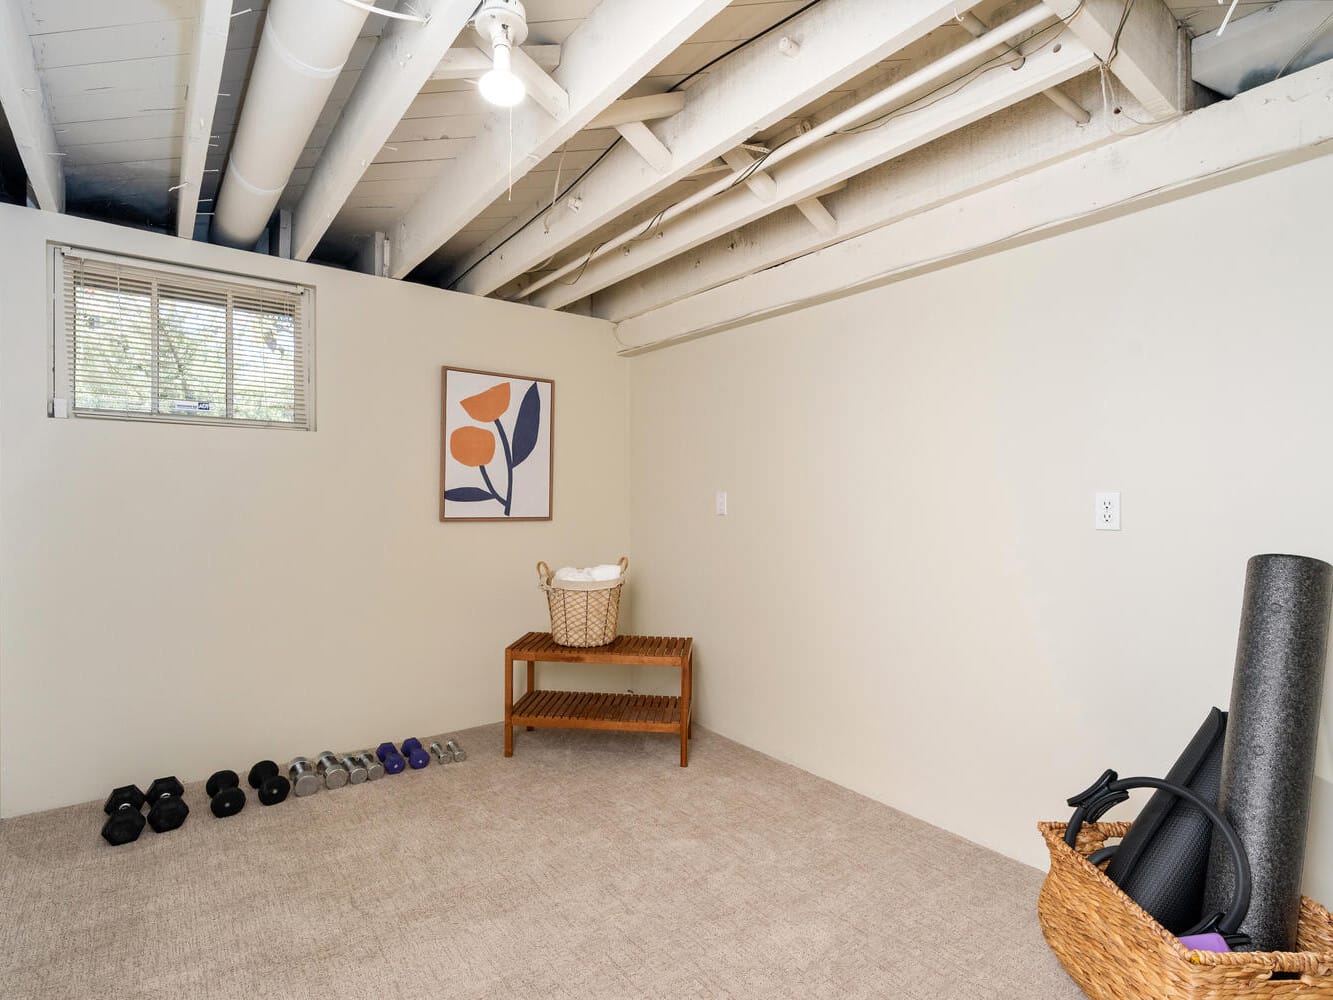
(270, 785)
(168, 809)
(124, 810)
(225, 795)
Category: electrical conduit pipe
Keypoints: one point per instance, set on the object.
(301, 52)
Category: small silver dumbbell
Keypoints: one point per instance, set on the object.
(335, 775)
(441, 754)
(374, 769)
(356, 768)
(459, 753)
(303, 777)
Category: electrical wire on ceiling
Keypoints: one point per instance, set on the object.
(953, 86)
(544, 214)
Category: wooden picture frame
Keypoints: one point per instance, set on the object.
(497, 446)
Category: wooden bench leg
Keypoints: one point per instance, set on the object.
(686, 684)
(509, 704)
(532, 682)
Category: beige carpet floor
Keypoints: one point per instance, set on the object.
(588, 865)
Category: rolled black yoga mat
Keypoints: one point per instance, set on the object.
(1162, 864)
(1269, 754)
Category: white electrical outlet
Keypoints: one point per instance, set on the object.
(1106, 512)
(720, 502)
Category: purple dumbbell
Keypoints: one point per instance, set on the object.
(415, 754)
(391, 759)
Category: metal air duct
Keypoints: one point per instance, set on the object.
(303, 48)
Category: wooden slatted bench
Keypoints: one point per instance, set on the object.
(636, 713)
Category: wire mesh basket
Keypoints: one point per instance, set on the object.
(583, 613)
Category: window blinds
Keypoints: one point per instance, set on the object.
(166, 343)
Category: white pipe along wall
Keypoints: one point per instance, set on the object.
(303, 48)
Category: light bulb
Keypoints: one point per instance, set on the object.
(500, 86)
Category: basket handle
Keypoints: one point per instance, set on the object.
(543, 573)
(623, 563)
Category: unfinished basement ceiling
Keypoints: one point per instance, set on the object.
(116, 75)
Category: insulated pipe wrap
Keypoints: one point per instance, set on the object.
(1269, 755)
(301, 52)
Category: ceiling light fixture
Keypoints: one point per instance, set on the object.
(505, 23)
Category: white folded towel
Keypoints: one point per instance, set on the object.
(591, 574)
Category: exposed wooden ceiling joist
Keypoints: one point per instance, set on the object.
(210, 45)
(750, 89)
(1261, 130)
(407, 54)
(24, 99)
(604, 56)
(839, 157)
(1148, 53)
(467, 62)
(1008, 144)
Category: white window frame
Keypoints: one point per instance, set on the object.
(60, 379)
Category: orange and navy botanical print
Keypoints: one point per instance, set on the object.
(475, 446)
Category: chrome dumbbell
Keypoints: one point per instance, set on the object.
(374, 769)
(328, 764)
(303, 777)
(441, 754)
(458, 752)
(356, 768)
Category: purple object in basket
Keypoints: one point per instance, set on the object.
(1206, 942)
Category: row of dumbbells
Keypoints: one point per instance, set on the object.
(333, 771)
(168, 811)
(166, 800)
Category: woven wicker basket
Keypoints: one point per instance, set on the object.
(583, 614)
(1115, 951)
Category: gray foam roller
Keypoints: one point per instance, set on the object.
(1269, 755)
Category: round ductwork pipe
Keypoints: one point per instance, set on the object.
(301, 52)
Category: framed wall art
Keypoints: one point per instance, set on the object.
(496, 447)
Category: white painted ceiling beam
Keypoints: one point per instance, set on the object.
(976, 27)
(403, 60)
(467, 62)
(836, 159)
(210, 45)
(747, 91)
(639, 109)
(1261, 130)
(28, 111)
(607, 53)
(766, 189)
(647, 145)
(1151, 57)
(1008, 144)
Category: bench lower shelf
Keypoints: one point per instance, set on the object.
(640, 713)
(633, 713)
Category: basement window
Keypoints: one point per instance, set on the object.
(138, 340)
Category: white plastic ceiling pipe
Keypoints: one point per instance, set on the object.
(303, 48)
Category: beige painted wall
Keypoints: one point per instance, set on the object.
(908, 596)
(180, 599)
